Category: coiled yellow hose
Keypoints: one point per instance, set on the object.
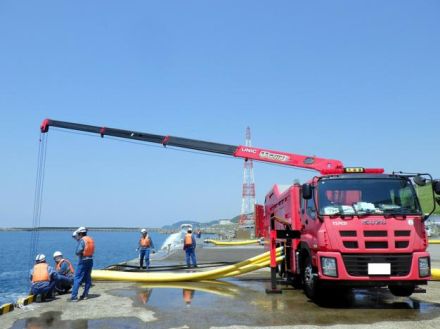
(245, 266)
(232, 243)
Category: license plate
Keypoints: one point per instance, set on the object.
(379, 269)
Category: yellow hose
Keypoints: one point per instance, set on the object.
(232, 243)
(434, 241)
(248, 268)
(435, 274)
(177, 277)
(240, 269)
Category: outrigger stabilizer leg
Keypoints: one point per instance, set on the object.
(273, 261)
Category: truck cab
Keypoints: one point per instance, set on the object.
(357, 230)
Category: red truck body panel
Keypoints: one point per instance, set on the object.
(353, 241)
(261, 229)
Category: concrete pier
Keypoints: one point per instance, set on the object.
(233, 303)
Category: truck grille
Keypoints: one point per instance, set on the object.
(351, 244)
(376, 244)
(347, 233)
(375, 233)
(402, 233)
(370, 239)
(357, 265)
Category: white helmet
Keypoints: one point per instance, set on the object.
(57, 254)
(143, 231)
(40, 258)
(81, 229)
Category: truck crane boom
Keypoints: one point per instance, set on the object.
(322, 165)
(338, 229)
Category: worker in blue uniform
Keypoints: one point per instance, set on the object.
(43, 279)
(189, 245)
(85, 251)
(65, 272)
(145, 245)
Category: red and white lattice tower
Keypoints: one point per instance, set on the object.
(248, 197)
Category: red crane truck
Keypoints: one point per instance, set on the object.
(357, 227)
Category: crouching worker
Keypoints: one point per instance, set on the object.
(65, 272)
(43, 279)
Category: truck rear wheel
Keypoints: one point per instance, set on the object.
(310, 280)
(402, 290)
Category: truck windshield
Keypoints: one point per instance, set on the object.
(364, 196)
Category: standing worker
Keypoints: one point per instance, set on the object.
(85, 250)
(43, 279)
(189, 245)
(145, 245)
(65, 272)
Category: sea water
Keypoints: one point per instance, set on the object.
(15, 258)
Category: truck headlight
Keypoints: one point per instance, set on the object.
(328, 265)
(424, 266)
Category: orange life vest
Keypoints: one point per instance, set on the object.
(58, 266)
(188, 239)
(89, 246)
(41, 272)
(145, 242)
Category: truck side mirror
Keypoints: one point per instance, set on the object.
(419, 180)
(306, 191)
(436, 186)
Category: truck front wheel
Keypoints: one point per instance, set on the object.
(310, 280)
(402, 290)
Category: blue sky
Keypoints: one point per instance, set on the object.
(356, 81)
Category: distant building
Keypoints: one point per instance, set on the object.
(225, 222)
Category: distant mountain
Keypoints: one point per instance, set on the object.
(177, 224)
(197, 224)
(235, 219)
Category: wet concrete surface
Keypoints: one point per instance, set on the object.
(239, 303)
(251, 306)
(233, 303)
(53, 320)
(206, 257)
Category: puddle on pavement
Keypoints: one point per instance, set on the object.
(52, 320)
(237, 302)
(245, 303)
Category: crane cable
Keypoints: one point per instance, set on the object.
(38, 197)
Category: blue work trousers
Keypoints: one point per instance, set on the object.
(144, 253)
(64, 283)
(83, 273)
(43, 288)
(190, 256)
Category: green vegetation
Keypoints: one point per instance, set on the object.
(425, 196)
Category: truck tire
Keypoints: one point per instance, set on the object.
(310, 280)
(402, 290)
